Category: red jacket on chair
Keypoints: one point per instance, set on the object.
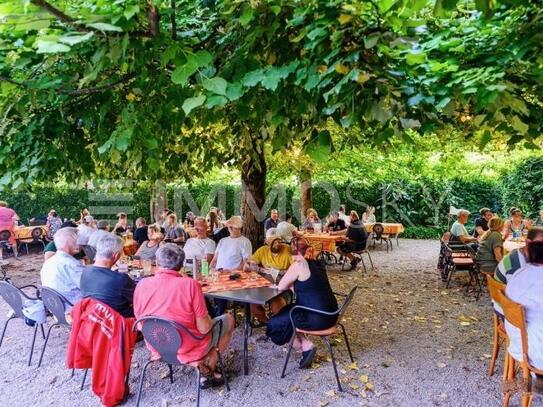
(102, 340)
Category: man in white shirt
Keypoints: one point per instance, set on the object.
(458, 228)
(62, 272)
(102, 229)
(85, 230)
(285, 229)
(526, 288)
(233, 251)
(199, 247)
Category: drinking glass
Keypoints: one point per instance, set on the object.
(274, 273)
(147, 266)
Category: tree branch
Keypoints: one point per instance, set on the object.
(154, 17)
(96, 89)
(174, 23)
(13, 81)
(53, 10)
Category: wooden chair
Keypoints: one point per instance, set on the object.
(461, 257)
(500, 336)
(515, 314)
(324, 334)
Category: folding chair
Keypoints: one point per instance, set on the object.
(165, 337)
(516, 315)
(14, 297)
(324, 334)
(56, 304)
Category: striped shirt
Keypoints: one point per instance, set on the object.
(509, 265)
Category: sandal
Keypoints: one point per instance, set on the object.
(209, 382)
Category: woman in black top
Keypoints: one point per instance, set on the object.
(356, 237)
(308, 280)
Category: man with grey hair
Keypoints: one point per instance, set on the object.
(102, 229)
(102, 283)
(173, 296)
(62, 272)
(458, 228)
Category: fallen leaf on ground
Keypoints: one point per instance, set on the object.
(354, 386)
(369, 386)
(323, 403)
(353, 366)
(294, 388)
(364, 378)
(441, 365)
(331, 393)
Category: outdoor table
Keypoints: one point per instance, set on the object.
(510, 245)
(389, 228)
(25, 232)
(328, 241)
(246, 296)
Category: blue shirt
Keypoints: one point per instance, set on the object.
(110, 287)
(62, 273)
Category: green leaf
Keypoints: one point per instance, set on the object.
(483, 6)
(105, 27)
(246, 17)
(371, 41)
(75, 39)
(519, 125)
(32, 25)
(151, 143)
(252, 78)
(320, 146)
(50, 47)
(181, 74)
(216, 85)
(485, 139)
(409, 123)
(169, 54)
(192, 103)
(234, 91)
(385, 5)
(216, 100)
(203, 58)
(415, 58)
(131, 11)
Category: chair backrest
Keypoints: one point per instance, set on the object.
(56, 303)
(494, 286)
(346, 302)
(5, 235)
(515, 314)
(12, 295)
(378, 229)
(163, 335)
(36, 233)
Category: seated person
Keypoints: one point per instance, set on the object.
(100, 282)
(369, 215)
(311, 218)
(357, 237)
(50, 248)
(516, 259)
(233, 251)
(490, 251)
(343, 216)
(53, 224)
(525, 288)
(102, 229)
(335, 223)
(308, 280)
(173, 232)
(481, 223)
(458, 228)
(189, 219)
(62, 272)
(272, 221)
(516, 226)
(85, 230)
(149, 248)
(201, 246)
(286, 230)
(140, 234)
(178, 298)
(122, 224)
(274, 254)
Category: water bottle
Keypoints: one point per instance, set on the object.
(205, 268)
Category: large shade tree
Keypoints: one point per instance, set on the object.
(158, 89)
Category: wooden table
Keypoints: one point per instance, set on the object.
(25, 232)
(389, 228)
(323, 241)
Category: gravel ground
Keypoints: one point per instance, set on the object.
(415, 344)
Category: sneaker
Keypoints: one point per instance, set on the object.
(354, 263)
(307, 358)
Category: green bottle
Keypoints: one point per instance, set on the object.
(205, 268)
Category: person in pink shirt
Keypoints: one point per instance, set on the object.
(178, 298)
(8, 219)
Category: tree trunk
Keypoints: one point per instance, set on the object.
(306, 200)
(158, 200)
(253, 189)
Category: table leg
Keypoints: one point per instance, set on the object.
(246, 327)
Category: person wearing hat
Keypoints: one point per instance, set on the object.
(233, 251)
(274, 254)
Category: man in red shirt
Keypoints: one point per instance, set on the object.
(178, 298)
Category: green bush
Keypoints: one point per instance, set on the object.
(422, 232)
(523, 186)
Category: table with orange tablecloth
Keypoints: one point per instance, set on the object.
(389, 228)
(323, 241)
(25, 232)
(223, 283)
